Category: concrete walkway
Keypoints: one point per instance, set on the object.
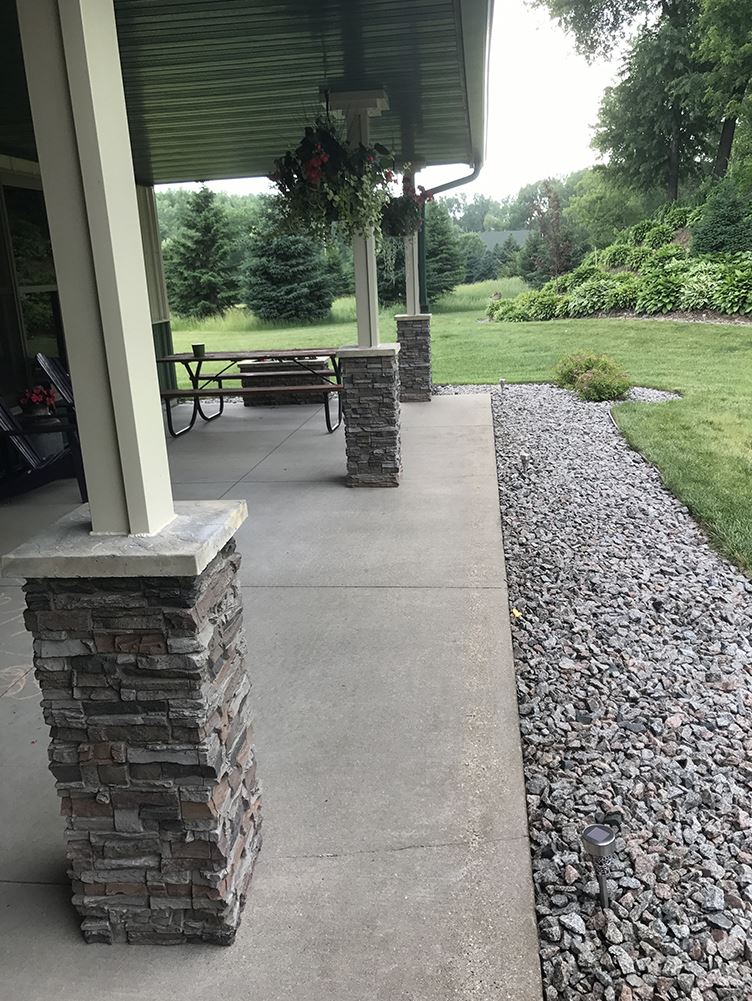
(396, 863)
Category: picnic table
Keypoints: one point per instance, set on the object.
(210, 385)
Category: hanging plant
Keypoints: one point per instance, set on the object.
(325, 183)
(402, 215)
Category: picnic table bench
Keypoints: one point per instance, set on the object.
(320, 380)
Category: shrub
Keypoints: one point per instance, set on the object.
(570, 368)
(669, 252)
(701, 285)
(623, 292)
(616, 255)
(590, 297)
(639, 231)
(725, 225)
(603, 382)
(593, 377)
(637, 256)
(734, 291)
(558, 285)
(542, 305)
(660, 291)
(658, 235)
(675, 216)
(563, 305)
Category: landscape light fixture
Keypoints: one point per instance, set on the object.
(599, 842)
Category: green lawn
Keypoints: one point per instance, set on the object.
(702, 444)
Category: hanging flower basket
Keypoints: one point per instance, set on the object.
(325, 183)
(403, 214)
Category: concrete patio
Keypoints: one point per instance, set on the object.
(396, 860)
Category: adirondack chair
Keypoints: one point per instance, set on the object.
(53, 369)
(40, 469)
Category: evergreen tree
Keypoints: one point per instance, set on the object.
(287, 278)
(506, 255)
(474, 251)
(726, 222)
(198, 261)
(531, 261)
(445, 264)
(488, 267)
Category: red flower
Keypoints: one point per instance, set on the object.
(389, 175)
(38, 396)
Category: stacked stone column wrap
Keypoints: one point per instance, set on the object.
(414, 336)
(371, 408)
(146, 693)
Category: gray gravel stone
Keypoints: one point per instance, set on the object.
(633, 650)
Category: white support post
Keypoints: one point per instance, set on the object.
(357, 107)
(78, 106)
(412, 275)
(364, 252)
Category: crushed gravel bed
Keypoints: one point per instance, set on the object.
(632, 643)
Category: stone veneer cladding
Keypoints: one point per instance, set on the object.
(147, 697)
(371, 407)
(414, 336)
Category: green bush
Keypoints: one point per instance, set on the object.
(725, 225)
(637, 257)
(529, 306)
(701, 285)
(590, 297)
(603, 382)
(562, 307)
(559, 285)
(734, 291)
(616, 256)
(623, 293)
(658, 235)
(593, 377)
(675, 216)
(639, 231)
(660, 291)
(669, 252)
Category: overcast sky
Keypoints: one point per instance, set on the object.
(543, 103)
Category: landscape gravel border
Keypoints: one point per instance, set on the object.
(634, 674)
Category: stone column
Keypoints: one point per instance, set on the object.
(371, 407)
(414, 336)
(139, 654)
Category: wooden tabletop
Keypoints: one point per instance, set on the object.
(281, 355)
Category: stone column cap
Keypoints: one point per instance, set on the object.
(379, 351)
(413, 316)
(184, 548)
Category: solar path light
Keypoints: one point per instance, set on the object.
(599, 842)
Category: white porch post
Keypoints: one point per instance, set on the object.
(78, 106)
(357, 107)
(412, 275)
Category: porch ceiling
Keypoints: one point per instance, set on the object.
(219, 88)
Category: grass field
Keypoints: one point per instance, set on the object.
(702, 444)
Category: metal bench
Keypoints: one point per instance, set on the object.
(323, 389)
